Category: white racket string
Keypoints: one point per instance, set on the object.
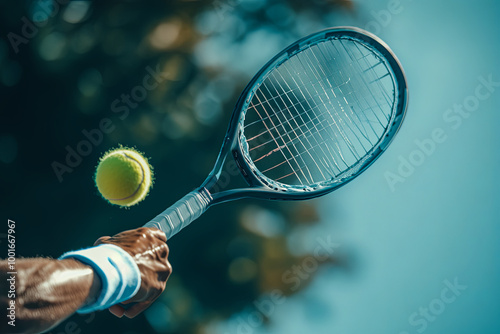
(321, 111)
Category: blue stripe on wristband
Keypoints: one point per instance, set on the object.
(119, 274)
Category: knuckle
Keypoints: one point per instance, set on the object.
(168, 268)
(159, 234)
(164, 250)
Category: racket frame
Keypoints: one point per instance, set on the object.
(232, 146)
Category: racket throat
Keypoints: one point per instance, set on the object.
(227, 176)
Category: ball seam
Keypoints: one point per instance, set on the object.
(140, 184)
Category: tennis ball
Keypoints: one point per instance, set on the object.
(123, 176)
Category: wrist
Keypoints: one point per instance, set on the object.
(118, 275)
(90, 280)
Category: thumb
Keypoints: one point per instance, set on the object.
(101, 240)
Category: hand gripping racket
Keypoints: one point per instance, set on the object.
(313, 118)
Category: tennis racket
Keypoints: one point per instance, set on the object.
(312, 119)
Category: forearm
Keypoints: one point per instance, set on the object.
(47, 292)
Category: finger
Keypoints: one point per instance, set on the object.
(163, 251)
(137, 309)
(129, 301)
(158, 233)
(101, 240)
(117, 310)
(164, 275)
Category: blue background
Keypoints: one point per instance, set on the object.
(443, 222)
(400, 244)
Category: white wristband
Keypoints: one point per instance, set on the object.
(119, 274)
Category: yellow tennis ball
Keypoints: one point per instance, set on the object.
(123, 177)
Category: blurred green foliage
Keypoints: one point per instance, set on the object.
(81, 63)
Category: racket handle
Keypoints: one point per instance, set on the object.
(182, 213)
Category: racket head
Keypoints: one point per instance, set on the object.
(309, 159)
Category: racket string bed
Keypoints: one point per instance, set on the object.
(308, 109)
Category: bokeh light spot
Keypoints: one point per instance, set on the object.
(83, 40)
(165, 35)
(242, 270)
(90, 82)
(41, 10)
(159, 316)
(281, 14)
(207, 108)
(176, 125)
(262, 222)
(52, 46)
(76, 11)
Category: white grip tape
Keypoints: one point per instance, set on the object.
(181, 214)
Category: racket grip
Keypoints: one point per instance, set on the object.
(182, 213)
